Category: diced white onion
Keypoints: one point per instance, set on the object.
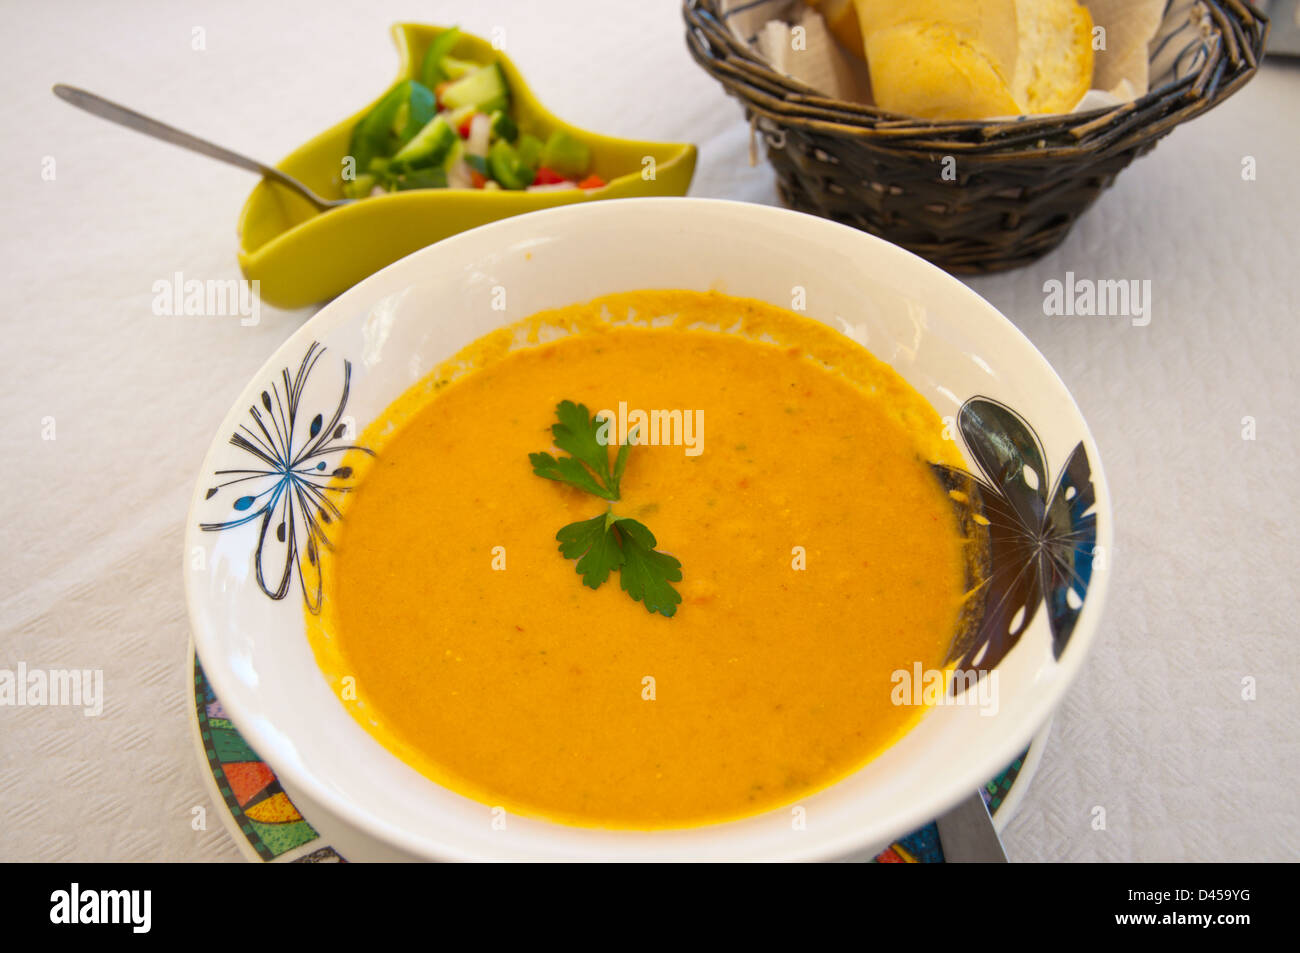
(480, 131)
(458, 176)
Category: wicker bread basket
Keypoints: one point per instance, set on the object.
(1014, 187)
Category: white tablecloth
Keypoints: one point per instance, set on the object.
(1156, 732)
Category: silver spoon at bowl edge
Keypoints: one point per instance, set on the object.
(967, 834)
(106, 109)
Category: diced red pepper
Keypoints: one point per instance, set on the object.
(592, 181)
(463, 128)
(477, 178)
(547, 176)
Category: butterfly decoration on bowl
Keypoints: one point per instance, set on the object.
(298, 467)
(1038, 541)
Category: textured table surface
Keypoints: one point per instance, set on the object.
(1156, 733)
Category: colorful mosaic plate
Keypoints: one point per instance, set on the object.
(267, 827)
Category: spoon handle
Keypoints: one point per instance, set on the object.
(106, 109)
(967, 834)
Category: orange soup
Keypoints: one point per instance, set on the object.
(819, 555)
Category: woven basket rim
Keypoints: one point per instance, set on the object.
(1235, 41)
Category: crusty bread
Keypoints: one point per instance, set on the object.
(976, 59)
(1054, 66)
(931, 71)
(987, 26)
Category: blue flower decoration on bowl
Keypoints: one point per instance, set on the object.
(288, 484)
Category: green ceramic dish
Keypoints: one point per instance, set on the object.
(301, 256)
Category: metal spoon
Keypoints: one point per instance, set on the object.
(967, 834)
(111, 111)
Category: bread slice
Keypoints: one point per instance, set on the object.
(941, 59)
(930, 71)
(1055, 61)
(976, 59)
(989, 26)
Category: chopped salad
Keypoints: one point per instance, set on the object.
(453, 128)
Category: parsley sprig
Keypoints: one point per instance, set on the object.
(606, 542)
(587, 467)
